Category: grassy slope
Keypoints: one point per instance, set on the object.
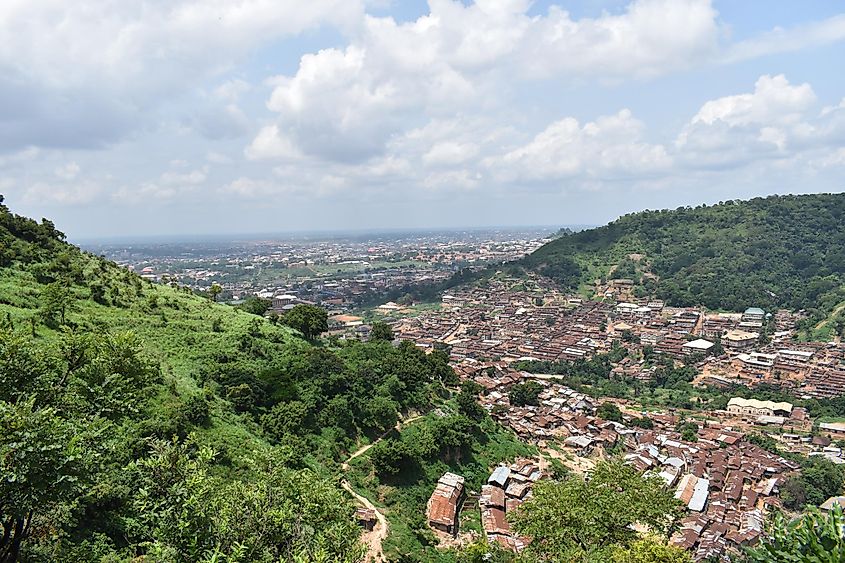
(175, 329)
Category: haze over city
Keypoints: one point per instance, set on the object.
(257, 116)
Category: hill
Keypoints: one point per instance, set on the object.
(780, 251)
(142, 420)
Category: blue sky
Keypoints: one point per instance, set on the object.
(246, 116)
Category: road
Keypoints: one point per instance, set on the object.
(373, 539)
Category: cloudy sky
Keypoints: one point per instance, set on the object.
(245, 116)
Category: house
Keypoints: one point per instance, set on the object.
(444, 504)
(828, 505)
(740, 339)
(699, 346)
(753, 315)
(833, 428)
(754, 407)
(366, 518)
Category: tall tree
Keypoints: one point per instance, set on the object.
(310, 320)
(42, 461)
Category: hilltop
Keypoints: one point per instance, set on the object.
(779, 251)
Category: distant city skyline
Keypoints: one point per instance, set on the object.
(122, 120)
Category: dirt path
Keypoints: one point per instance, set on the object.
(579, 465)
(373, 539)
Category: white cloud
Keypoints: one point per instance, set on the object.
(67, 172)
(775, 121)
(347, 104)
(271, 144)
(780, 40)
(774, 100)
(82, 73)
(78, 193)
(607, 148)
(192, 178)
(450, 153)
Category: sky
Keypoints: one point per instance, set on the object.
(175, 117)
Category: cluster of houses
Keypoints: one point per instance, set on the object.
(506, 489)
(727, 483)
(508, 486)
(525, 319)
(531, 322)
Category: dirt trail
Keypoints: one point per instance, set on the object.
(373, 539)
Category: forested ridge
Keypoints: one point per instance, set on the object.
(779, 251)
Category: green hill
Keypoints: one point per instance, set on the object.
(142, 420)
(780, 251)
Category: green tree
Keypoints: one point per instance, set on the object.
(56, 299)
(609, 411)
(43, 462)
(310, 320)
(575, 519)
(256, 305)
(467, 401)
(527, 393)
(651, 549)
(819, 480)
(381, 331)
(814, 536)
(214, 291)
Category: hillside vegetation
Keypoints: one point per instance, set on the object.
(780, 251)
(141, 420)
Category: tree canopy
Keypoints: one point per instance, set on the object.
(587, 520)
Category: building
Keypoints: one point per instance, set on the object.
(444, 504)
(833, 428)
(753, 315)
(366, 518)
(740, 339)
(828, 505)
(754, 407)
(699, 346)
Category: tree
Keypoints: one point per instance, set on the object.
(256, 306)
(467, 403)
(527, 393)
(609, 411)
(575, 519)
(56, 299)
(651, 549)
(815, 537)
(819, 480)
(214, 291)
(310, 320)
(642, 422)
(42, 461)
(381, 331)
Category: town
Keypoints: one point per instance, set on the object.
(495, 331)
(509, 333)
